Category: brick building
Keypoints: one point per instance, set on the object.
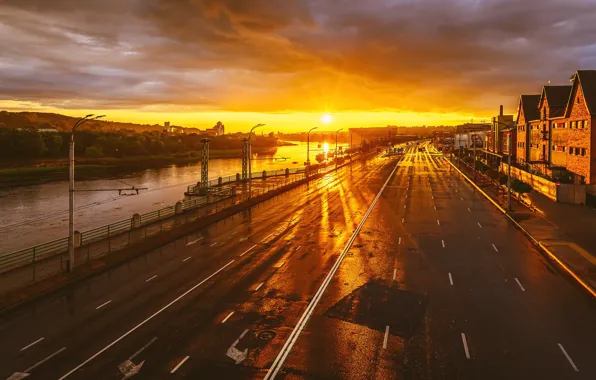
(580, 117)
(554, 130)
(527, 110)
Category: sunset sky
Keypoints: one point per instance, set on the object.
(286, 63)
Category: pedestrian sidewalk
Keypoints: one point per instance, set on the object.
(564, 231)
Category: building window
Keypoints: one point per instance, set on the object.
(583, 151)
(562, 149)
(565, 125)
(583, 124)
(571, 124)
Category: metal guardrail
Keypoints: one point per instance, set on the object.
(192, 189)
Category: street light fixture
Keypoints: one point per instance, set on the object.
(71, 189)
(250, 158)
(336, 132)
(308, 145)
(512, 126)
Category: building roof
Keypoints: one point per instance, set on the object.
(557, 96)
(529, 106)
(587, 79)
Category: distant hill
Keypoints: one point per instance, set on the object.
(37, 120)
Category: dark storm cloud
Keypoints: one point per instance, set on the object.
(439, 55)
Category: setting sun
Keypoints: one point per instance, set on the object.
(326, 119)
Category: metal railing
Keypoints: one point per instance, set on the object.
(101, 240)
(192, 189)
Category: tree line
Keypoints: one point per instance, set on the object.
(18, 145)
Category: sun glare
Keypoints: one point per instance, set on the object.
(326, 119)
(326, 148)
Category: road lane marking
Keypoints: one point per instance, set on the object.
(443, 243)
(568, 357)
(399, 241)
(463, 338)
(310, 235)
(103, 304)
(240, 337)
(150, 278)
(479, 225)
(394, 274)
(461, 198)
(495, 248)
(144, 321)
(438, 223)
(469, 209)
(213, 244)
(450, 279)
(180, 364)
(259, 286)
(228, 317)
(289, 344)
(194, 241)
(404, 206)
(280, 265)
(267, 237)
(520, 285)
(386, 337)
(32, 344)
(44, 360)
(297, 248)
(188, 258)
(248, 250)
(142, 348)
(435, 207)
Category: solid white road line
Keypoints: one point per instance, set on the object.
(248, 250)
(289, 344)
(520, 285)
(180, 364)
(44, 360)
(394, 274)
(194, 241)
(150, 278)
(495, 248)
(213, 244)
(443, 243)
(142, 348)
(568, 357)
(463, 338)
(259, 286)
(188, 258)
(144, 321)
(228, 317)
(386, 337)
(102, 305)
(267, 237)
(32, 344)
(479, 225)
(450, 279)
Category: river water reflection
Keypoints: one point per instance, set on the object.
(32, 215)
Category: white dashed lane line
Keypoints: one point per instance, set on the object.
(180, 364)
(103, 304)
(150, 278)
(32, 344)
(520, 285)
(228, 317)
(465, 342)
(568, 357)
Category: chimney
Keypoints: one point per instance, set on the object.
(501, 111)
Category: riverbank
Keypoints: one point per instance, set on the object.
(39, 172)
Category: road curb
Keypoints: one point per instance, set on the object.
(534, 241)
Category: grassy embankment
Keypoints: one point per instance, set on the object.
(37, 172)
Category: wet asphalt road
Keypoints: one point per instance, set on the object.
(434, 284)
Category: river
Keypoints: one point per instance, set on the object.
(32, 215)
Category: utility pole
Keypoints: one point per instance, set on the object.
(244, 160)
(250, 158)
(509, 174)
(71, 189)
(204, 167)
(336, 147)
(308, 145)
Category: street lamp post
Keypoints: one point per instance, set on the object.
(336, 132)
(250, 158)
(71, 189)
(308, 145)
(511, 127)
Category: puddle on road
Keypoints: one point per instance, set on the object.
(377, 305)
